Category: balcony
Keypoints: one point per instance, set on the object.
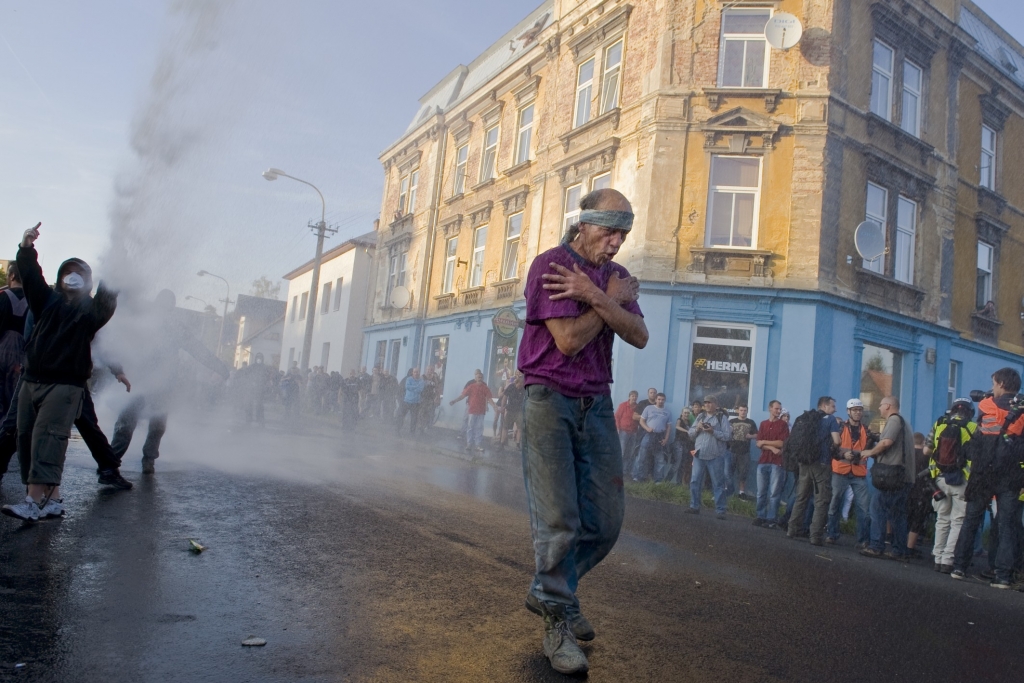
(472, 296)
(985, 325)
(505, 289)
(889, 293)
(445, 302)
(753, 264)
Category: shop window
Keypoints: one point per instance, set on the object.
(721, 364)
(437, 358)
(880, 376)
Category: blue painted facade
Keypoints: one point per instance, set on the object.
(804, 345)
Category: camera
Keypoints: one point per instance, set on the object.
(937, 493)
(977, 395)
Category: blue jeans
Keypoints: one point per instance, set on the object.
(651, 455)
(716, 467)
(890, 507)
(573, 471)
(475, 431)
(770, 480)
(626, 442)
(861, 499)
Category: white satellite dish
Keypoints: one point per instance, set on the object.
(783, 31)
(400, 297)
(869, 239)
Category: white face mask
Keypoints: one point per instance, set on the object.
(73, 282)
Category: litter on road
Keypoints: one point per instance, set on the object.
(254, 642)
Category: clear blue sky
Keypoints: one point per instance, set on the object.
(316, 88)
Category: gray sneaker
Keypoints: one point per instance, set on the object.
(27, 510)
(561, 647)
(579, 624)
(53, 508)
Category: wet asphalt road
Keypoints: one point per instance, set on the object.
(382, 559)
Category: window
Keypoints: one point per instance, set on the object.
(988, 158)
(490, 156)
(571, 213)
(525, 134)
(396, 350)
(877, 211)
(291, 356)
(906, 235)
(476, 276)
(721, 364)
(461, 157)
(584, 92)
(881, 80)
(396, 274)
(601, 182)
(743, 50)
(450, 259)
(913, 81)
(880, 376)
(510, 262)
(733, 201)
(414, 180)
(437, 358)
(303, 305)
(380, 355)
(295, 306)
(325, 299)
(954, 383)
(610, 83)
(983, 293)
(403, 195)
(325, 353)
(337, 293)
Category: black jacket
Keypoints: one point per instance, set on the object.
(58, 351)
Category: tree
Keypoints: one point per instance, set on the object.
(3, 277)
(264, 288)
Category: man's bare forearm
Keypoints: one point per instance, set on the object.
(629, 326)
(572, 334)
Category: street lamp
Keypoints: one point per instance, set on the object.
(220, 338)
(321, 229)
(195, 298)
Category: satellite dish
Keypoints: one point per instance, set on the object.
(400, 297)
(869, 239)
(783, 31)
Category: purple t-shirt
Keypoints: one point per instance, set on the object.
(589, 372)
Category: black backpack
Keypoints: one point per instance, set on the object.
(804, 444)
(950, 454)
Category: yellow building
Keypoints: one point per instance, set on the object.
(749, 169)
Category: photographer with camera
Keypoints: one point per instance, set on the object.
(947, 470)
(995, 471)
(711, 434)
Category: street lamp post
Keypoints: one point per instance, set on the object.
(321, 231)
(220, 337)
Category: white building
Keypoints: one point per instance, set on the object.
(340, 308)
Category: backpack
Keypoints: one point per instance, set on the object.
(950, 455)
(804, 444)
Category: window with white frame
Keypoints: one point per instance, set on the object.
(396, 273)
(906, 237)
(325, 298)
(983, 292)
(987, 167)
(953, 384)
(571, 209)
(881, 80)
(403, 195)
(337, 293)
(584, 92)
(610, 82)
(489, 158)
(913, 85)
(743, 50)
(476, 275)
(601, 182)
(303, 305)
(733, 201)
(414, 180)
(525, 134)
(510, 259)
(461, 160)
(295, 306)
(877, 210)
(450, 258)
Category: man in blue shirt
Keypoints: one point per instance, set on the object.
(711, 434)
(816, 478)
(414, 385)
(654, 421)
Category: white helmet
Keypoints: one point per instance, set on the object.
(854, 403)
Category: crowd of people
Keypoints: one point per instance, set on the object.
(817, 471)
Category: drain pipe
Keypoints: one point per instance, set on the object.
(435, 212)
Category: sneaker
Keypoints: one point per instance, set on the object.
(957, 574)
(871, 552)
(561, 647)
(148, 466)
(53, 508)
(691, 511)
(114, 478)
(27, 510)
(758, 522)
(579, 624)
(1001, 583)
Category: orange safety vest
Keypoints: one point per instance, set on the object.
(846, 442)
(992, 418)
